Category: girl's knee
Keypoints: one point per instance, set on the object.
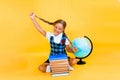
(72, 61)
(43, 67)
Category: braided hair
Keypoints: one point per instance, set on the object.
(55, 22)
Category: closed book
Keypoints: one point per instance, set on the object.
(61, 74)
(59, 66)
(58, 57)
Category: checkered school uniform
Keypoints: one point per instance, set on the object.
(57, 48)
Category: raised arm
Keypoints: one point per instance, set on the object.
(37, 26)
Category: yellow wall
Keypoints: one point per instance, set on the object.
(98, 19)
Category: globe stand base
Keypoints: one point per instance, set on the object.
(80, 62)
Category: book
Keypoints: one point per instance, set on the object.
(59, 64)
(58, 57)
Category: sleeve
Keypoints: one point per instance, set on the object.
(48, 34)
(67, 42)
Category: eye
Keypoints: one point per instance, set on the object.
(55, 26)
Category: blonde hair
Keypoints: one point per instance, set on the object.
(55, 22)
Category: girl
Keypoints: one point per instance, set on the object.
(57, 38)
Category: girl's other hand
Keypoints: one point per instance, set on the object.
(75, 49)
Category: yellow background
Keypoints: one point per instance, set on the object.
(23, 48)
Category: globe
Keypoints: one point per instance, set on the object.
(84, 47)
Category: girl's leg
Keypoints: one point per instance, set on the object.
(72, 61)
(43, 66)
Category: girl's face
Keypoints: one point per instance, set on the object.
(58, 28)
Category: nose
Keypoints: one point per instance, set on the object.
(56, 29)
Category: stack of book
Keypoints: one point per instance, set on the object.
(59, 65)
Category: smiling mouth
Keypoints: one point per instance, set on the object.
(56, 33)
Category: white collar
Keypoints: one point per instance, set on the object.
(59, 35)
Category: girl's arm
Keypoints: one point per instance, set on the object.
(37, 26)
(69, 49)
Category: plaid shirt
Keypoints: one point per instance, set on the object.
(57, 48)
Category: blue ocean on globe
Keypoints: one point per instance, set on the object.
(83, 46)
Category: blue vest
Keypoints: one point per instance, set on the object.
(57, 48)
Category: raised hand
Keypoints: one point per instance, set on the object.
(32, 15)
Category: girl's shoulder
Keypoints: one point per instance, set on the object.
(49, 34)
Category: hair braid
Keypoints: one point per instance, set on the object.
(67, 37)
(50, 23)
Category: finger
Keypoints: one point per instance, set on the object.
(32, 14)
